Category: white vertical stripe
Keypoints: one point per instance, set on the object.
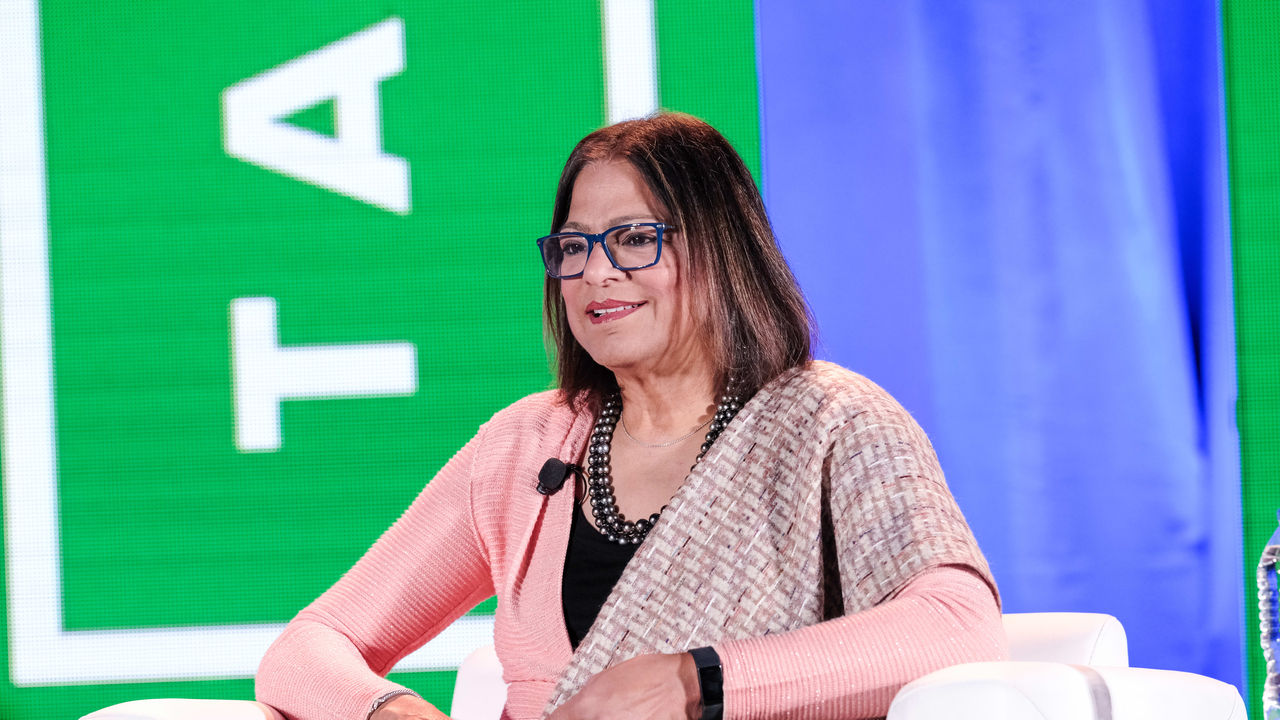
(630, 58)
(30, 474)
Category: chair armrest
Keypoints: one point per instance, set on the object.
(175, 709)
(1057, 691)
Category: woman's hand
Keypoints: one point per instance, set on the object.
(657, 687)
(407, 707)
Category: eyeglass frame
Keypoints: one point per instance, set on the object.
(593, 238)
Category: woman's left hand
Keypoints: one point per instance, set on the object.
(648, 687)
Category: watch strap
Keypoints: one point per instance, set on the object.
(710, 682)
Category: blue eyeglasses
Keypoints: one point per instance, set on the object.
(633, 246)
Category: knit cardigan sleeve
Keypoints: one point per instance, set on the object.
(428, 569)
(851, 667)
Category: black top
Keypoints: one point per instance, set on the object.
(592, 567)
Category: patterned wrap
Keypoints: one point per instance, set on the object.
(822, 498)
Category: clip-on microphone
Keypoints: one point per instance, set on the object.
(553, 474)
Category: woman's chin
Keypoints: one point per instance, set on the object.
(627, 360)
(617, 362)
(659, 365)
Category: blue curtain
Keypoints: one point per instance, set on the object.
(1011, 215)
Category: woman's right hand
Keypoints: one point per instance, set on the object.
(407, 707)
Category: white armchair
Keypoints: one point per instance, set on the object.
(1064, 666)
(1061, 691)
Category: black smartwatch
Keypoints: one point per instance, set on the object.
(710, 682)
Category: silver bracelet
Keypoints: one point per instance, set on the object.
(394, 693)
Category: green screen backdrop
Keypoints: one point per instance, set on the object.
(266, 266)
(1250, 30)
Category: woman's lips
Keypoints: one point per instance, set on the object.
(610, 310)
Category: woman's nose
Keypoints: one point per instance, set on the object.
(598, 267)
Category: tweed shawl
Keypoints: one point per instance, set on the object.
(822, 498)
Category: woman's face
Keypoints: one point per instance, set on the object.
(649, 329)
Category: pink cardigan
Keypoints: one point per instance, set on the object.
(480, 528)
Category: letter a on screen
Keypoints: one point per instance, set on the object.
(352, 162)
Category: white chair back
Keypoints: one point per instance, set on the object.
(1065, 637)
(479, 693)
(181, 709)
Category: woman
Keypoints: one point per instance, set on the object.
(773, 535)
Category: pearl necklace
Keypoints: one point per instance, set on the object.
(604, 505)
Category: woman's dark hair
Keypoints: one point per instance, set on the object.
(745, 298)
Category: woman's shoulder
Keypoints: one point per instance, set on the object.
(824, 394)
(828, 381)
(532, 428)
(539, 411)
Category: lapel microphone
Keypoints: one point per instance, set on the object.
(553, 474)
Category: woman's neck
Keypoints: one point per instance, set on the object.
(658, 408)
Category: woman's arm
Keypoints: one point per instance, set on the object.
(917, 594)
(425, 571)
(851, 667)
(916, 590)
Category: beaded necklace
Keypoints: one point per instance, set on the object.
(604, 506)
